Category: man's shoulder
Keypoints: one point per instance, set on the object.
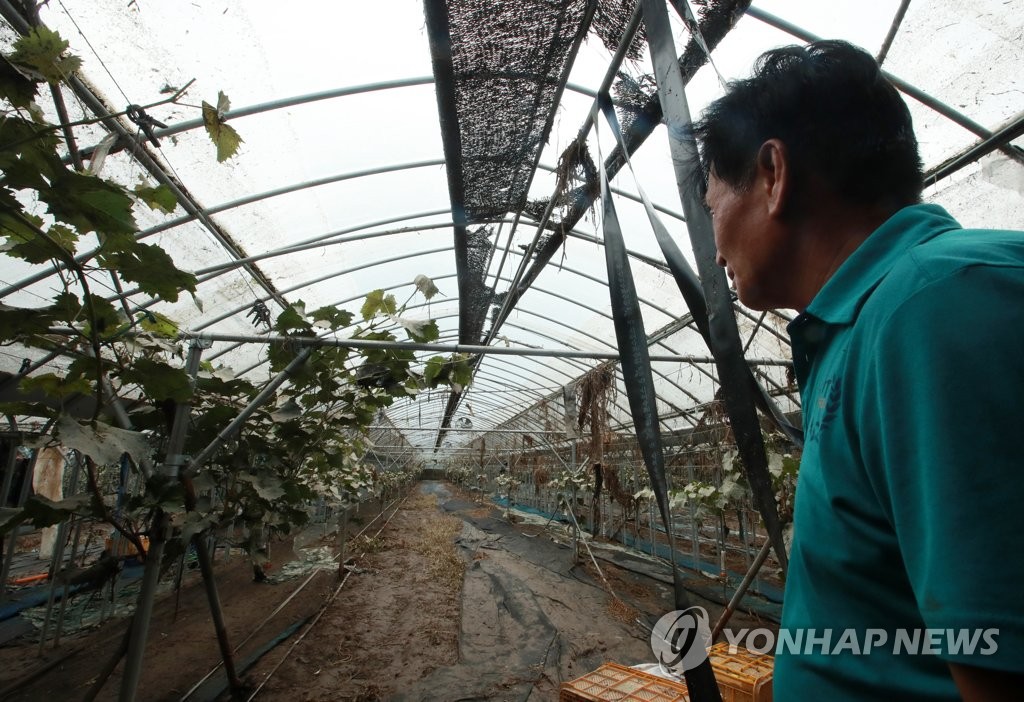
(952, 263)
(958, 249)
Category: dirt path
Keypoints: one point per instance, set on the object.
(450, 602)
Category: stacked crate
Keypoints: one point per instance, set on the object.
(742, 676)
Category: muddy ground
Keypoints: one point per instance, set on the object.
(450, 601)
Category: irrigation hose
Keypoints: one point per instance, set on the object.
(277, 610)
(323, 609)
(593, 560)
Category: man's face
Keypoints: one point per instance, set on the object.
(751, 247)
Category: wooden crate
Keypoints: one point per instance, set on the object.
(125, 548)
(614, 683)
(742, 676)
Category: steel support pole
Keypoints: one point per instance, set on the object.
(159, 532)
(752, 571)
(12, 461)
(5, 568)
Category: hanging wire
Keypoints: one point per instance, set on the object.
(690, 20)
(93, 49)
(144, 125)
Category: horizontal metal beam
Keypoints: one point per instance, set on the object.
(471, 349)
(478, 431)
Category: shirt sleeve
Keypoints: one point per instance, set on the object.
(942, 437)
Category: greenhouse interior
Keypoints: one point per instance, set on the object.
(382, 351)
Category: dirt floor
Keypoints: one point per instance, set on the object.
(450, 601)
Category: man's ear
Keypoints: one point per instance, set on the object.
(773, 176)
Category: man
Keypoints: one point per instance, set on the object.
(909, 350)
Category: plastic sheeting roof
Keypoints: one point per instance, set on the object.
(343, 164)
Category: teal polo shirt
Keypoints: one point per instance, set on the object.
(907, 548)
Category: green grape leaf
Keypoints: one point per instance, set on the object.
(107, 320)
(159, 380)
(41, 52)
(30, 243)
(66, 308)
(152, 269)
(159, 198)
(20, 321)
(267, 486)
(55, 386)
(331, 318)
(224, 136)
(434, 371)
(28, 409)
(377, 302)
(157, 324)
(291, 318)
(42, 512)
(15, 85)
(90, 204)
(421, 331)
(462, 373)
(29, 158)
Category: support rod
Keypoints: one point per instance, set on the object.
(439, 348)
(158, 534)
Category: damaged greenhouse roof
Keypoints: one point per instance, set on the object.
(380, 142)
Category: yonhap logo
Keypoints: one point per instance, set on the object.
(680, 640)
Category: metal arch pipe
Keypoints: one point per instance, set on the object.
(309, 243)
(664, 377)
(294, 101)
(314, 242)
(225, 268)
(485, 431)
(660, 342)
(413, 346)
(486, 403)
(922, 97)
(379, 262)
(142, 155)
(604, 343)
(897, 20)
(539, 396)
(216, 209)
(1000, 138)
(491, 407)
(392, 259)
(428, 347)
(617, 404)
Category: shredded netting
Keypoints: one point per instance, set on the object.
(509, 59)
(479, 247)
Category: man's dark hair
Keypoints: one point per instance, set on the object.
(839, 117)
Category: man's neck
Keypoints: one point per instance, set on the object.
(829, 236)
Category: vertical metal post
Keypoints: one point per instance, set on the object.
(343, 533)
(55, 563)
(12, 462)
(12, 542)
(694, 529)
(159, 532)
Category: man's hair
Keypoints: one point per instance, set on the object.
(840, 119)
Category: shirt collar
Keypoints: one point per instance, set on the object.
(843, 294)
